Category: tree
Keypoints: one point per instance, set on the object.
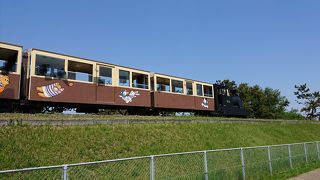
(263, 103)
(228, 83)
(310, 101)
(291, 114)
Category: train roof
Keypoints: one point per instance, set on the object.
(11, 44)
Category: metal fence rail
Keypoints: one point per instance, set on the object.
(234, 163)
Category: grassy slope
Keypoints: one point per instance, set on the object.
(26, 146)
(18, 116)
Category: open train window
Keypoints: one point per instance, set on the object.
(8, 60)
(105, 75)
(177, 86)
(199, 90)
(49, 66)
(207, 91)
(140, 80)
(124, 78)
(163, 84)
(189, 88)
(80, 71)
(222, 91)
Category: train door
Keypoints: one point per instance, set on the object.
(105, 84)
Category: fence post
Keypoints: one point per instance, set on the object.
(269, 159)
(242, 164)
(290, 157)
(65, 172)
(317, 143)
(206, 177)
(151, 167)
(305, 151)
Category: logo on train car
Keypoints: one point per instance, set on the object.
(205, 103)
(4, 82)
(128, 97)
(50, 90)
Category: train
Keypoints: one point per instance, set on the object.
(34, 80)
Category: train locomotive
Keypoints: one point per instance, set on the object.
(33, 80)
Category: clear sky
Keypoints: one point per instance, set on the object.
(274, 43)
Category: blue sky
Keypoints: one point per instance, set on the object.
(270, 43)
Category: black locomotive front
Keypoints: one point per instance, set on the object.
(228, 102)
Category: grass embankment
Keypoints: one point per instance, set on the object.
(29, 146)
(18, 116)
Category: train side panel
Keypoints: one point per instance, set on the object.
(10, 71)
(53, 90)
(63, 91)
(182, 94)
(105, 94)
(183, 102)
(12, 89)
(173, 101)
(132, 97)
(45, 86)
(204, 103)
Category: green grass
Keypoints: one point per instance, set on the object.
(296, 171)
(19, 116)
(27, 146)
(31, 146)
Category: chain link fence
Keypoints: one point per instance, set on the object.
(235, 163)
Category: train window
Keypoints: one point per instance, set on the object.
(177, 86)
(124, 78)
(221, 91)
(105, 75)
(80, 71)
(199, 90)
(163, 84)
(8, 60)
(140, 80)
(49, 66)
(189, 88)
(207, 91)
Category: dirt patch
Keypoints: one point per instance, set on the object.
(312, 175)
